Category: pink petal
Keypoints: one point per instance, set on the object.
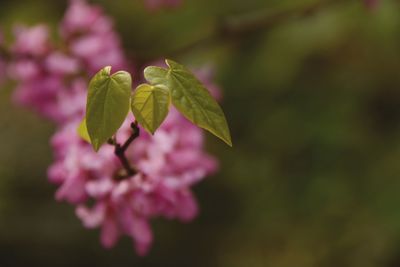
(109, 233)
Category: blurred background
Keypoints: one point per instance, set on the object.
(312, 94)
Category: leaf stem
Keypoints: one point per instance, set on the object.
(121, 149)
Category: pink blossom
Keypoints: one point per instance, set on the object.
(50, 78)
(31, 41)
(169, 163)
(71, 103)
(97, 51)
(76, 163)
(58, 63)
(24, 69)
(40, 93)
(81, 18)
(91, 37)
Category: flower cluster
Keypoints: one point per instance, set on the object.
(52, 80)
(169, 163)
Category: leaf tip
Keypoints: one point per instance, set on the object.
(170, 63)
(227, 140)
(229, 143)
(96, 145)
(107, 69)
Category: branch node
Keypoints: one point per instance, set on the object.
(120, 150)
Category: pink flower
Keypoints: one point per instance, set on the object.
(40, 93)
(71, 103)
(50, 78)
(76, 163)
(53, 81)
(24, 69)
(58, 63)
(169, 164)
(98, 51)
(81, 18)
(31, 41)
(91, 37)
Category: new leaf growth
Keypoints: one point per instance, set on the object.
(109, 97)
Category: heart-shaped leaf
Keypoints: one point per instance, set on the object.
(191, 98)
(150, 106)
(107, 104)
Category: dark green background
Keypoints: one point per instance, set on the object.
(313, 178)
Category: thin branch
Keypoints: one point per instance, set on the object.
(121, 149)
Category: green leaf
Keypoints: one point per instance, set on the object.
(150, 106)
(83, 132)
(191, 98)
(156, 75)
(107, 104)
